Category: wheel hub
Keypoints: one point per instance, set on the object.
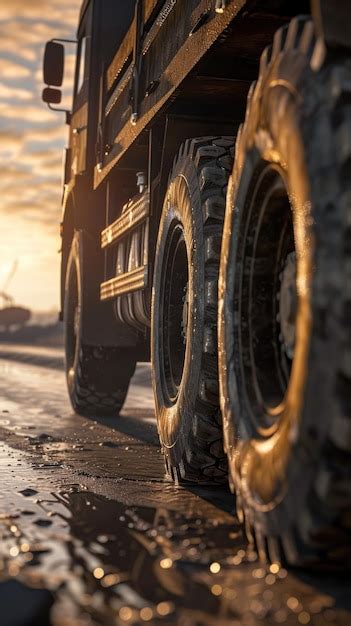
(265, 304)
(175, 311)
(288, 304)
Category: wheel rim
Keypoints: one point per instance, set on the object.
(267, 300)
(72, 319)
(174, 313)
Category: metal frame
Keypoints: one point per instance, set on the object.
(182, 63)
(128, 282)
(134, 215)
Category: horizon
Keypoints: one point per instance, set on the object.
(32, 139)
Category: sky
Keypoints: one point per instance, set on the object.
(32, 139)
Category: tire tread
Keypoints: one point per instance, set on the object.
(204, 460)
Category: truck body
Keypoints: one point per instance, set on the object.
(168, 72)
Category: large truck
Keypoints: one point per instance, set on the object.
(207, 227)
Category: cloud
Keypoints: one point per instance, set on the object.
(64, 11)
(8, 139)
(46, 135)
(10, 171)
(32, 114)
(27, 54)
(31, 144)
(9, 7)
(14, 93)
(32, 36)
(12, 70)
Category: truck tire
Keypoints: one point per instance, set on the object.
(97, 376)
(184, 312)
(285, 305)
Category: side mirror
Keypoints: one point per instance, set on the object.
(51, 96)
(54, 59)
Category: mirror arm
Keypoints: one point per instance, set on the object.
(66, 111)
(64, 40)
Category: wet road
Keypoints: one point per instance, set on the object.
(92, 533)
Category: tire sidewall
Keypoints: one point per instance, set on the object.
(73, 267)
(182, 202)
(285, 126)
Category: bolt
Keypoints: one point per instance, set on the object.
(141, 181)
(221, 5)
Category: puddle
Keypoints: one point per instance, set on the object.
(86, 513)
(107, 563)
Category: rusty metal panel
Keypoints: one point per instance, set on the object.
(149, 6)
(126, 48)
(181, 42)
(120, 58)
(78, 139)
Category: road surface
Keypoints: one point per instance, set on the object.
(93, 534)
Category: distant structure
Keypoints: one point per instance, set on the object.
(12, 317)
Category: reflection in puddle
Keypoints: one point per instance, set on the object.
(150, 552)
(109, 564)
(107, 561)
(147, 561)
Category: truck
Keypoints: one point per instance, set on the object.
(206, 227)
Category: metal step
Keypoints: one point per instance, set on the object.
(135, 214)
(124, 283)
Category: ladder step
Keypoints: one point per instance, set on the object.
(136, 213)
(124, 283)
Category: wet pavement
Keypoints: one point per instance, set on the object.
(92, 533)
